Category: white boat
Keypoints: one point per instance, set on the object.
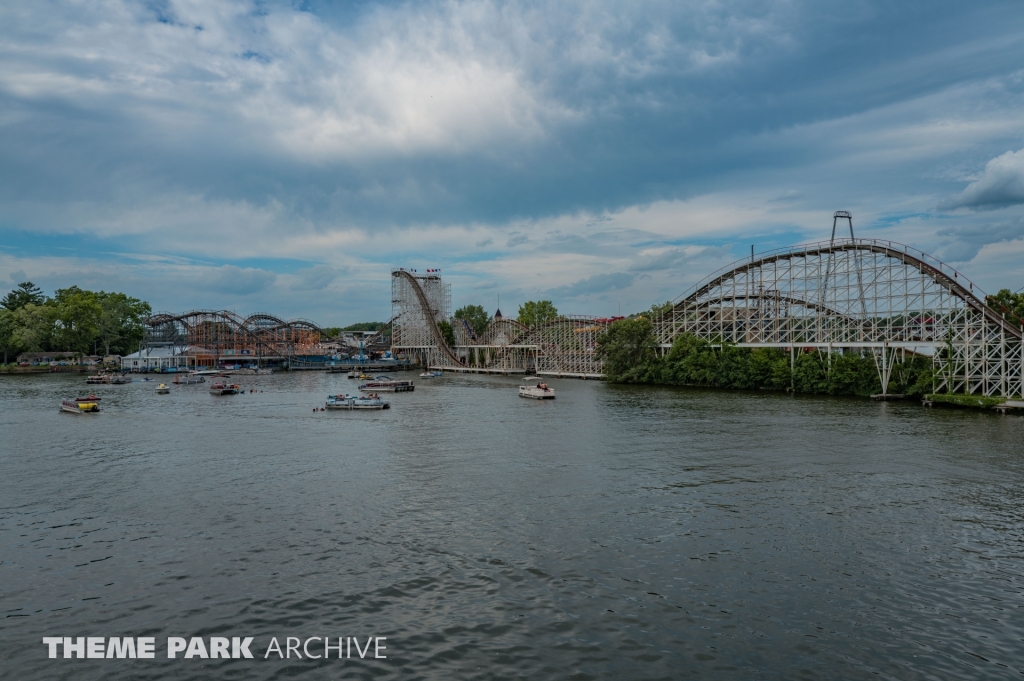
(536, 389)
(431, 374)
(188, 379)
(81, 405)
(350, 402)
(385, 384)
(162, 389)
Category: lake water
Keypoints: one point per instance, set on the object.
(614, 533)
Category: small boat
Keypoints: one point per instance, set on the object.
(385, 384)
(98, 379)
(353, 374)
(540, 391)
(120, 379)
(219, 388)
(431, 374)
(162, 389)
(356, 402)
(188, 379)
(81, 405)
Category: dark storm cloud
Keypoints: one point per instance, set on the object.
(639, 96)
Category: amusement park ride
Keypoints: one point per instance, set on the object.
(840, 296)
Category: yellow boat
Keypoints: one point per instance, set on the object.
(81, 405)
(162, 389)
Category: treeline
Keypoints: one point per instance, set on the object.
(531, 313)
(335, 331)
(73, 320)
(1008, 303)
(630, 353)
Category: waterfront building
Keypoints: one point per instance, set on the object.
(156, 357)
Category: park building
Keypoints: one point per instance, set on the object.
(156, 357)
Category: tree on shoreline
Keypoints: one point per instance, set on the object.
(630, 354)
(536, 312)
(74, 320)
(447, 332)
(629, 349)
(26, 293)
(475, 315)
(1009, 303)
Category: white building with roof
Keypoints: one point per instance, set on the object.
(156, 357)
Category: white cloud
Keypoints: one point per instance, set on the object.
(237, 280)
(1001, 185)
(315, 278)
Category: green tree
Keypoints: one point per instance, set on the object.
(26, 293)
(77, 316)
(34, 327)
(536, 312)
(657, 310)
(852, 374)
(769, 368)
(1008, 303)
(7, 327)
(121, 321)
(629, 350)
(809, 373)
(364, 326)
(446, 331)
(476, 316)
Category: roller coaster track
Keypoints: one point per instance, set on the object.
(435, 331)
(253, 323)
(937, 271)
(217, 331)
(862, 296)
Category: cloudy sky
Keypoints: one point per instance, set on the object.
(283, 157)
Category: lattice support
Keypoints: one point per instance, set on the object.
(865, 294)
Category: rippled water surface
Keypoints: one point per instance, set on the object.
(615, 533)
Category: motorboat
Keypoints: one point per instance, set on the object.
(120, 379)
(356, 402)
(431, 374)
(98, 379)
(188, 379)
(162, 389)
(536, 389)
(386, 384)
(81, 405)
(220, 388)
